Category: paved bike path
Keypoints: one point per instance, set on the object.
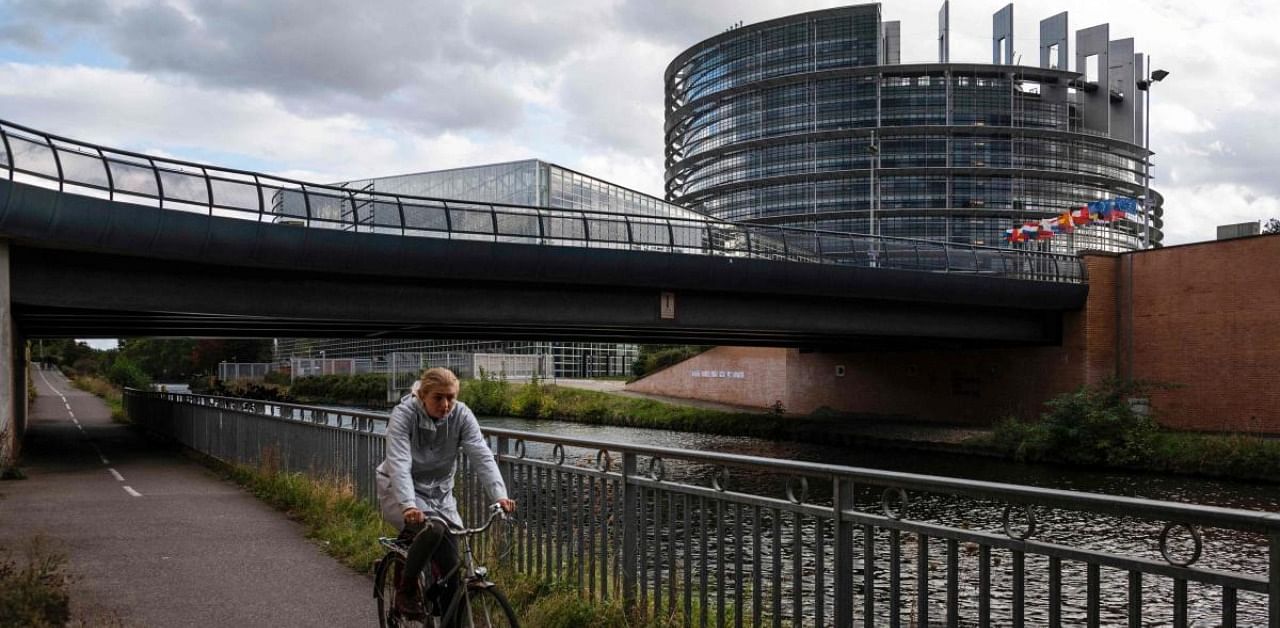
(155, 539)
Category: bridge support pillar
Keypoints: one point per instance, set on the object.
(13, 380)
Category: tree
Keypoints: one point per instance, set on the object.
(1271, 226)
(163, 359)
(206, 354)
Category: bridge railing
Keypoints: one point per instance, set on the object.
(700, 536)
(31, 156)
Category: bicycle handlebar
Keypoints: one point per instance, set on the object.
(496, 512)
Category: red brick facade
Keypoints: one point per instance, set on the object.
(1203, 317)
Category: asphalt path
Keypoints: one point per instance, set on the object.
(155, 539)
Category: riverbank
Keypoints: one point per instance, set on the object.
(1235, 457)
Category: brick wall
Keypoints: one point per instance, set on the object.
(763, 381)
(1206, 317)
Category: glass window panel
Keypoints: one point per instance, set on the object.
(471, 221)
(83, 169)
(33, 158)
(187, 188)
(573, 228)
(517, 224)
(235, 194)
(428, 217)
(133, 179)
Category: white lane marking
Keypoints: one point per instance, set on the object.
(73, 420)
(116, 475)
(129, 490)
(67, 405)
(73, 415)
(104, 458)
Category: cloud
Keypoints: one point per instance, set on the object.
(129, 110)
(330, 90)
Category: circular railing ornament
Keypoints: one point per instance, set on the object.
(604, 461)
(519, 447)
(792, 495)
(720, 481)
(1197, 544)
(886, 506)
(1031, 522)
(557, 454)
(657, 469)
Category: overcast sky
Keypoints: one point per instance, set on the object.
(330, 90)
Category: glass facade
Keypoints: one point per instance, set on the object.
(530, 182)
(797, 122)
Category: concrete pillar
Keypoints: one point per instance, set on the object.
(13, 397)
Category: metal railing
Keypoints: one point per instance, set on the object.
(705, 537)
(75, 167)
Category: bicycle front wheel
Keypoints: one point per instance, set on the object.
(488, 608)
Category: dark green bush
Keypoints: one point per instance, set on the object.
(489, 395)
(1095, 425)
(657, 357)
(362, 389)
(533, 400)
(125, 374)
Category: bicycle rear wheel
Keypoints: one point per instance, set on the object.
(488, 608)
(385, 590)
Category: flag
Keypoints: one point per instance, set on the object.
(1080, 215)
(1097, 212)
(1030, 230)
(1127, 205)
(1066, 222)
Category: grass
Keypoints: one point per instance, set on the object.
(347, 528)
(495, 397)
(34, 588)
(344, 525)
(1096, 427)
(106, 390)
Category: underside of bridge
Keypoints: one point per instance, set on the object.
(85, 267)
(89, 267)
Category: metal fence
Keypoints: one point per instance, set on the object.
(71, 166)
(706, 538)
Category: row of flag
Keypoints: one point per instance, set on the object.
(1104, 211)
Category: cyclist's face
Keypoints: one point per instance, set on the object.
(439, 400)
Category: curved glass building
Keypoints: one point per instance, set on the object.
(810, 121)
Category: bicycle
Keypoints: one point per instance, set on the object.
(478, 602)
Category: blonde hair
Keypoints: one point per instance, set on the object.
(436, 377)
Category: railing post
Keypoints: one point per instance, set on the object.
(504, 465)
(842, 498)
(630, 503)
(1273, 582)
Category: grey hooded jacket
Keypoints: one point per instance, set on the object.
(422, 454)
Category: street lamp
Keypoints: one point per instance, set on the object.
(873, 150)
(1145, 85)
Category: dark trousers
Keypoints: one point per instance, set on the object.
(433, 543)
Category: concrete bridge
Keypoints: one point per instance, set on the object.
(99, 242)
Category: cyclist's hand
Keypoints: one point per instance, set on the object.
(508, 505)
(414, 516)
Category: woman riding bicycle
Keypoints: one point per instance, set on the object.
(415, 481)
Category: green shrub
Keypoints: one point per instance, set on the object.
(366, 389)
(1096, 425)
(126, 374)
(533, 400)
(34, 589)
(488, 395)
(657, 357)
